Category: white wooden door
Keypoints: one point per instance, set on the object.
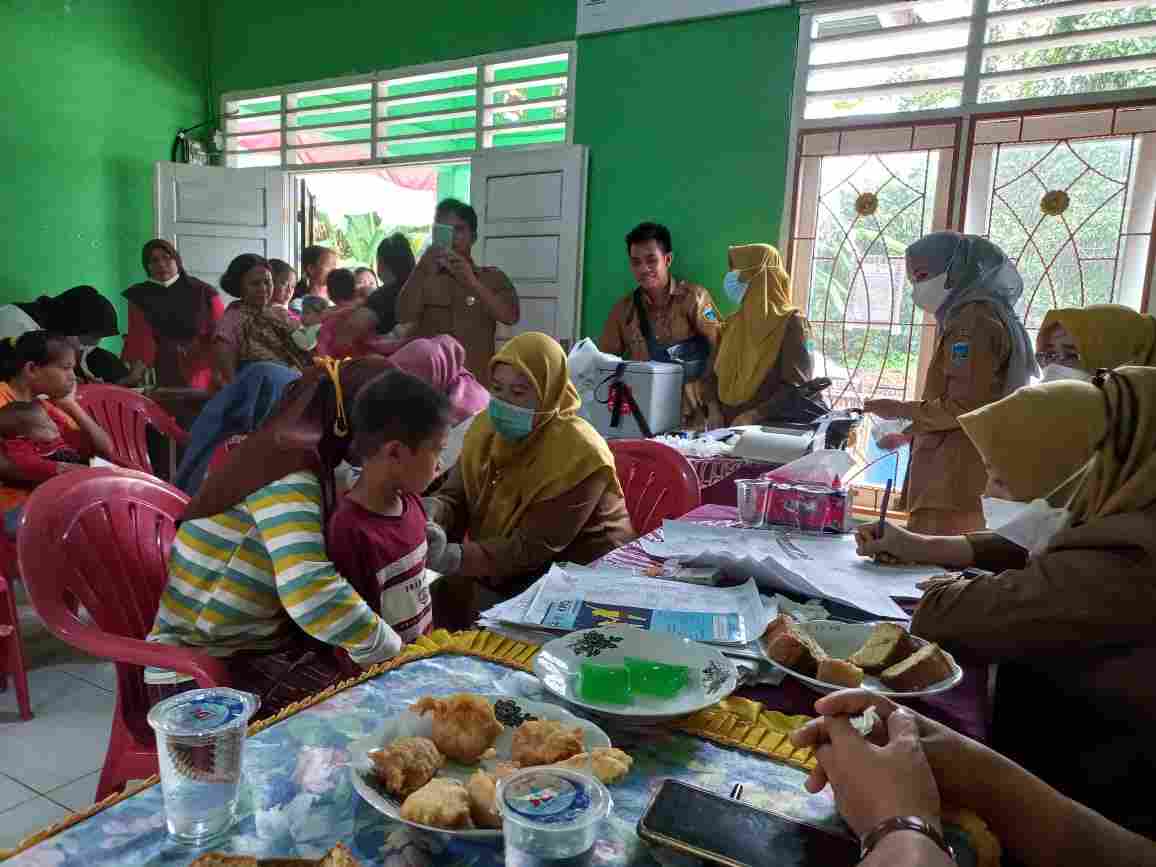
(213, 214)
(531, 208)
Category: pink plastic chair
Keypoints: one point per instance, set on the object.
(126, 416)
(101, 538)
(12, 650)
(658, 482)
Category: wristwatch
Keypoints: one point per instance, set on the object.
(903, 823)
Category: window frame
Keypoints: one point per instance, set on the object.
(968, 113)
(377, 140)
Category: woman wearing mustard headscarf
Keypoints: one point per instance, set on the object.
(535, 484)
(764, 345)
(1010, 435)
(982, 353)
(1075, 342)
(1073, 629)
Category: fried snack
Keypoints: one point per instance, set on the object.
(543, 742)
(483, 791)
(609, 764)
(839, 672)
(440, 803)
(464, 725)
(406, 764)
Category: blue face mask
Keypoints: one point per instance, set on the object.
(734, 286)
(512, 422)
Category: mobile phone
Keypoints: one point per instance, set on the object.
(443, 235)
(724, 831)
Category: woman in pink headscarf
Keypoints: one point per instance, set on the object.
(441, 361)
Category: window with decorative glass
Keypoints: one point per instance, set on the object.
(450, 109)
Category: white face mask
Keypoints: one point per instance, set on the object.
(1053, 372)
(1030, 525)
(734, 286)
(930, 294)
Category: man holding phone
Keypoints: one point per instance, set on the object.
(448, 293)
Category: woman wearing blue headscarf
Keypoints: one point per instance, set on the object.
(982, 354)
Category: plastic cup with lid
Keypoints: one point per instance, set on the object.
(551, 816)
(200, 746)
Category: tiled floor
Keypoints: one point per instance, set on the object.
(49, 765)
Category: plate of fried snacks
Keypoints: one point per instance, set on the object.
(826, 655)
(436, 765)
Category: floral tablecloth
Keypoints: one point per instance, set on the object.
(297, 798)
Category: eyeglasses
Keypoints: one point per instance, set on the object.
(1068, 359)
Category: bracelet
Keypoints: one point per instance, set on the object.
(903, 823)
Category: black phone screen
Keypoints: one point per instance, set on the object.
(739, 832)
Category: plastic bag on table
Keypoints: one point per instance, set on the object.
(819, 468)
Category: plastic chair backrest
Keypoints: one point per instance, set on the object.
(657, 481)
(100, 537)
(126, 416)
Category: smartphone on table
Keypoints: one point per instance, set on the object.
(723, 831)
(443, 236)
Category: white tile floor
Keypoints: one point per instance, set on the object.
(49, 765)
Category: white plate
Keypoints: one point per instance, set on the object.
(712, 676)
(407, 724)
(841, 640)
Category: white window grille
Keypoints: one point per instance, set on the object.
(442, 110)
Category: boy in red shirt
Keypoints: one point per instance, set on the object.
(376, 535)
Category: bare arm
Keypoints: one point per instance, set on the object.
(98, 436)
(952, 552)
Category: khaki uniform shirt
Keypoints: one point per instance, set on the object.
(793, 367)
(440, 305)
(689, 310)
(946, 474)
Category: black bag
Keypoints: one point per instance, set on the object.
(693, 354)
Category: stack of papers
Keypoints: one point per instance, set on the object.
(577, 597)
(824, 566)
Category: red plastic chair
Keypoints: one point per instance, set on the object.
(658, 482)
(127, 415)
(12, 658)
(221, 453)
(101, 538)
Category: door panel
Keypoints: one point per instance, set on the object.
(531, 208)
(213, 214)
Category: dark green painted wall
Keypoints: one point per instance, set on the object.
(687, 125)
(95, 91)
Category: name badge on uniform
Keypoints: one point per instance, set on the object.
(960, 352)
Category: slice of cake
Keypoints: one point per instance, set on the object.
(839, 672)
(797, 650)
(887, 644)
(926, 666)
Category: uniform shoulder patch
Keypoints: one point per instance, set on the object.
(960, 351)
(710, 314)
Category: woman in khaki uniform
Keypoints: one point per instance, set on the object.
(982, 354)
(764, 346)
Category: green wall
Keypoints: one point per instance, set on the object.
(94, 93)
(687, 125)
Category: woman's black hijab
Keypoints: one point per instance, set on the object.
(81, 310)
(176, 312)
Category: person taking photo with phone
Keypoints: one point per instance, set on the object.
(447, 293)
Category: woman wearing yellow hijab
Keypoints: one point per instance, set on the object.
(1075, 342)
(765, 344)
(1073, 630)
(535, 484)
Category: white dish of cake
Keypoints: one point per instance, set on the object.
(883, 657)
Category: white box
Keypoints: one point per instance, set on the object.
(657, 388)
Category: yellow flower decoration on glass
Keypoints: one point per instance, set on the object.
(1055, 203)
(866, 204)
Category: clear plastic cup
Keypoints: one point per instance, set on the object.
(551, 816)
(753, 495)
(200, 745)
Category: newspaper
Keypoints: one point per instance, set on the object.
(810, 565)
(580, 598)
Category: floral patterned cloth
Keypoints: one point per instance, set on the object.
(297, 798)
